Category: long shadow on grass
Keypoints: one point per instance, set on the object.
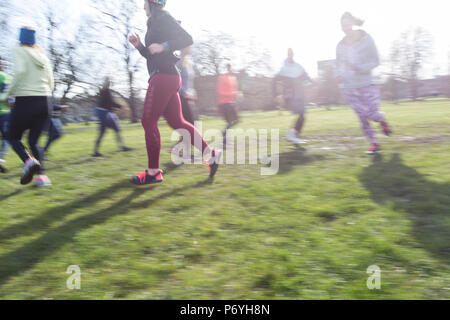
(24, 258)
(45, 219)
(12, 194)
(290, 160)
(427, 203)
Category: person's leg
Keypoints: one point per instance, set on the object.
(19, 122)
(160, 91)
(53, 135)
(299, 123)
(371, 99)
(233, 118)
(174, 117)
(186, 107)
(4, 119)
(40, 119)
(101, 132)
(356, 101)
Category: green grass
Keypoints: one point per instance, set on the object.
(309, 232)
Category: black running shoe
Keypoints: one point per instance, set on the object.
(97, 155)
(214, 162)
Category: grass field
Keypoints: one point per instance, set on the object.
(309, 232)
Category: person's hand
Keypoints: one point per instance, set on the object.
(135, 40)
(155, 48)
(191, 97)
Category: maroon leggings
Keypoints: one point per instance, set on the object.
(163, 99)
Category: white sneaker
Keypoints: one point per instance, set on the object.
(291, 136)
(31, 167)
(2, 166)
(43, 181)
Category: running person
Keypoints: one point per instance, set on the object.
(55, 126)
(107, 118)
(356, 57)
(164, 36)
(227, 92)
(4, 115)
(188, 95)
(292, 77)
(32, 85)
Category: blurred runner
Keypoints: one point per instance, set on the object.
(54, 126)
(32, 85)
(227, 92)
(356, 57)
(107, 118)
(188, 95)
(164, 36)
(290, 79)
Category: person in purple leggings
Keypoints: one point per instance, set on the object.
(356, 57)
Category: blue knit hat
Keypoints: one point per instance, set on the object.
(27, 36)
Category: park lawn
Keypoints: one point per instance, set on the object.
(309, 232)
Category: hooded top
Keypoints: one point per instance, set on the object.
(33, 75)
(165, 30)
(354, 63)
(292, 75)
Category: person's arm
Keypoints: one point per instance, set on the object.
(371, 59)
(19, 70)
(135, 40)
(178, 37)
(143, 51)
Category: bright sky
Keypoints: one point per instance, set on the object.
(312, 28)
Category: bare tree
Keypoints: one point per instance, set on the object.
(408, 56)
(213, 52)
(116, 22)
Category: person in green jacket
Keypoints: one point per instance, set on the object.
(4, 115)
(32, 85)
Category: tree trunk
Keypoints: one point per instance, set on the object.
(132, 100)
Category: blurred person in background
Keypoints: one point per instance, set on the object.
(227, 93)
(164, 36)
(188, 95)
(32, 86)
(107, 118)
(290, 79)
(356, 57)
(4, 115)
(54, 126)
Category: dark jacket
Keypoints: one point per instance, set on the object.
(106, 100)
(165, 30)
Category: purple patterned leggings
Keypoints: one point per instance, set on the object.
(366, 103)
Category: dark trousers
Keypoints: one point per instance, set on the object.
(4, 120)
(29, 113)
(187, 106)
(54, 132)
(110, 120)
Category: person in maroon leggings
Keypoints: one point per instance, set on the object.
(164, 36)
